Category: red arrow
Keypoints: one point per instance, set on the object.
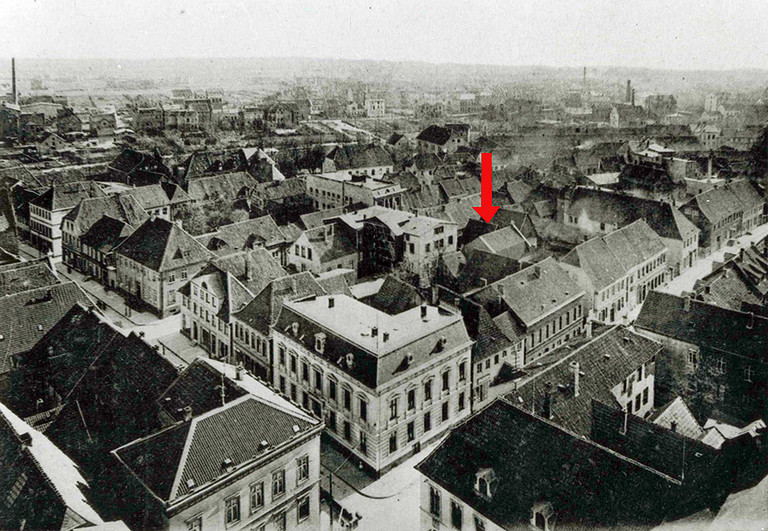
(486, 209)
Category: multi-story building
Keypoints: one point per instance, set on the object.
(725, 213)
(324, 248)
(252, 336)
(618, 270)
(597, 211)
(356, 159)
(47, 211)
(220, 289)
(385, 384)
(341, 190)
(162, 200)
(155, 261)
(542, 300)
(88, 212)
(425, 239)
(252, 463)
(436, 139)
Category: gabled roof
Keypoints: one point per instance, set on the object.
(243, 235)
(155, 195)
(482, 267)
(533, 292)
(317, 219)
(106, 234)
(707, 326)
(172, 463)
(35, 473)
(203, 163)
(620, 210)
(586, 484)
(435, 134)
(605, 362)
(162, 245)
(394, 296)
(262, 312)
(24, 276)
(26, 316)
(350, 157)
(64, 196)
(719, 203)
(226, 186)
(505, 242)
(609, 258)
(122, 207)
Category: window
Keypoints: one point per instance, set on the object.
(183, 274)
(428, 390)
(257, 496)
(293, 363)
(411, 431)
(393, 443)
(749, 372)
(302, 469)
(281, 354)
(720, 365)
(645, 396)
(640, 372)
(318, 380)
(461, 402)
(195, 524)
(456, 516)
(304, 371)
(426, 248)
(411, 399)
(303, 508)
(332, 421)
(347, 399)
(479, 524)
(280, 521)
(233, 510)
(347, 430)
(363, 409)
(446, 380)
(427, 422)
(393, 409)
(462, 371)
(637, 402)
(332, 389)
(445, 411)
(434, 502)
(278, 483)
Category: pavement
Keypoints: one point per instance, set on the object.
(177, 346)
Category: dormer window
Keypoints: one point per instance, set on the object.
(485, 482)
(320, 342)
(543, 516)
(295, 328)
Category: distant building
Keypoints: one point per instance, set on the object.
(323, 249)
(385, 383)
(437, 139)
(348, 160)
(339, 190)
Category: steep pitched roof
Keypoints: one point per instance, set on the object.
(607, 259)
(123, 207)
(106, 234)
(26, 316)
(705, 325)
(63, 196)
(435, 134)
(24, 276)
(226, 186)
(605, 362)
(161, 245)
(243, 235)
(175, 461)
(394, 296)
(349, 157)
(505, 242)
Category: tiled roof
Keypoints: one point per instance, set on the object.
(719, 203)
(317, 219)
(607, 259)
(587, 485)
(481, 267)
(534, 291)
(435, 135)
(162, 245)
(42, 487)
(204, 163)
(63, 196)
(243, 235)
(705, 325)
(618, 209)
(394, 297)
(25, 317)
(263, 310)
(742, 279)
(227, 187)
(24, 276)
(149, 196)
(106, 234)
(279, 190)
(349, 157)
(605, 362)
(89, 211)
(174, 462)
(505, 242)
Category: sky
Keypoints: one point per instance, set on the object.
(678, 34)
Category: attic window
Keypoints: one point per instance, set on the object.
(485, 482)
(227, 464)
(542, 516)
(295, 328)
(191, 483)
(320, 342)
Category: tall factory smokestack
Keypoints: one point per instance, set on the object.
(628, 95)
(13, 81)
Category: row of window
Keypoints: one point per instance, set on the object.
(557, 325)
(457, 511)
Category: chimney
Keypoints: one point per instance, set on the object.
(588, 329)
(187, 413)
(751, 323)
(248, 269)
(26, 439)
(547, 400)
(423, 312)
(385, 337)
(375, 331)
(633, 97)
(574, 365)
(687, 303)
(13, 82)
(673, 426)
(239, 372)
(628, 94)
(330, 302)
(625, 410)
(152, 217)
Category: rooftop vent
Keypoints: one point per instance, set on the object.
(227, 464)
(331, 302)
(296, 428)
(191, 483)
(263, 445)
(384, 337)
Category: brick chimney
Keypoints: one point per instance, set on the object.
(574, 366)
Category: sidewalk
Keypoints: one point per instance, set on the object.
(113, 301)
(180, 347)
